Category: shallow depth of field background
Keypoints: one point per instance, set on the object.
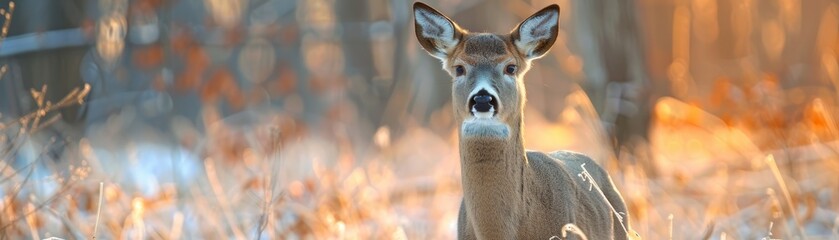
(279, 119)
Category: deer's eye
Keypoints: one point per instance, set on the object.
(459, 70)
(510, 69)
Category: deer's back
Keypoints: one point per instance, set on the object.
(561, 192)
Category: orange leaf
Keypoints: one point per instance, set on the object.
(286, 82)
(148, 57)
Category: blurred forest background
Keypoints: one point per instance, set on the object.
(280, 119)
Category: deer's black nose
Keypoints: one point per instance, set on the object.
(482, 101)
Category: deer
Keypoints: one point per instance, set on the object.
(510, 192)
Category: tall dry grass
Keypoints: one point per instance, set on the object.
(316, 186)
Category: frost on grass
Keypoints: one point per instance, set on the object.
(586, 176)
(569, 229)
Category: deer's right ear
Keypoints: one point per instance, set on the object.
(437, 34)
(536, 34)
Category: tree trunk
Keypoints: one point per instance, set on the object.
(615, 66)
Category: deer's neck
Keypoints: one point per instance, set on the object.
(493, 172)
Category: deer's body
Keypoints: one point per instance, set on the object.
(508, 192)
(541, 203)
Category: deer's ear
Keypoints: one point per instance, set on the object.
(535, 35)
(437, 34)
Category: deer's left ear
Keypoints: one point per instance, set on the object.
(436, 33)
(535, 35)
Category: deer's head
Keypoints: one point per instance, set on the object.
(487, 68)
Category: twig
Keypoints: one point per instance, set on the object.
(23, 183)
(709, 230)
(31, 165)
(14, 145)
(39, 207)
(776, 203)
(67, 223)
(76, 96)
(30, 220)
(3, 70)
(570, 227)
(177, 225)
(670, 218)
(7, 23)
(573, 229)
(769, 234)
(215, 185)
(266, 204)
(770, 160)
(836, 227)
(98, 209)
